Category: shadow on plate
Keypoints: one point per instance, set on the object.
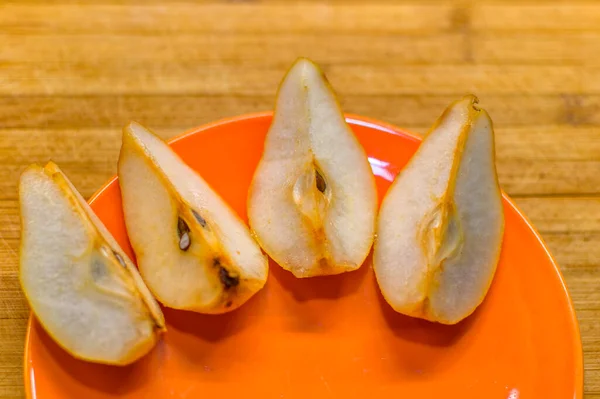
(419, 347)
(423, 331)
(114, 380)
(215, 327)
(322, 287)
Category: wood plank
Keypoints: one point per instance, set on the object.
(582, 285)
(574, 48)
(590, 328)
(571, 48)
(532, 178)
(183, 77)
(542, 143)
(225, 17)
(538, 17)
(562, 214)
(591, 375)
(11, 368)
(239, 49)
(82, 111)
(54, 112)
(576, 251)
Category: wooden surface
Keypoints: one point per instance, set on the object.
(71, 75)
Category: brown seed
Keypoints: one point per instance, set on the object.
(199, 218)
(182, 227)
(120, 259)
(320, 182)
(183, 232)
(184, 241)
(227, 280)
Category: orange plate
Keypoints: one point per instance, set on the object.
(335, 337)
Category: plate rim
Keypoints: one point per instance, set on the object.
(353, 119)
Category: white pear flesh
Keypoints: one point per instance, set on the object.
(441, 223)
(312, 202)
(81, 286)
(192, 249)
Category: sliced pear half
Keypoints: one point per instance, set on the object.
(192, 250)
(81, 286)
(441, 223)
(312, 203)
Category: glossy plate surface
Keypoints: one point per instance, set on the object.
(335, 337)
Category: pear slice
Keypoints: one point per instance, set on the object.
(441, 223)
(81, 286)
(192, 250)
(312, 202)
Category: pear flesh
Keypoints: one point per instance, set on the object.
(312, 202)
(192, 250)
(440, 226)
(81, 286)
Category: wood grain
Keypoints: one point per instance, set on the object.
(214, 17)
(72, 73)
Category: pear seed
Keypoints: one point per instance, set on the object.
(120, 259)
(184, 242)
(183, 231)
(228, 280)
(199, 218)
(320, 182)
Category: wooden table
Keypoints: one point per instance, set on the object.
(71, 75)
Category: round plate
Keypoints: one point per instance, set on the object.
(334, 337)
